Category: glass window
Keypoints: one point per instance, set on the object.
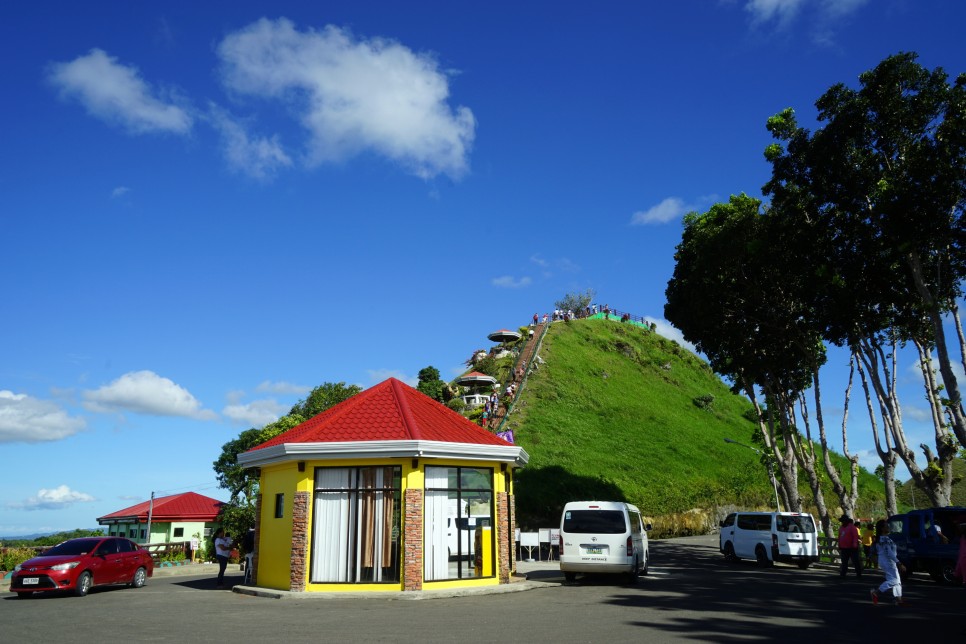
(799, 523)
(356, 520)
(594, 522)
(458, 534)
(178, 532)
(279, 505)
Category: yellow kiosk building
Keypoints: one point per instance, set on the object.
(387, 491)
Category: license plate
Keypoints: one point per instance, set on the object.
(31, 581)
(595, 551)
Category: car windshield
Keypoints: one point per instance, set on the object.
(73, 547)
(594, 522)
(798, 523)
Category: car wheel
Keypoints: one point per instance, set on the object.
(647, 563)
(634, 573)
(140, 576)
(729, 552)
(762, 556)
(942, 572)
(571, 577)
(83, 584)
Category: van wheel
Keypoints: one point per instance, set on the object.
(762, 556)
(804, 564)
(729, 553)
(634, 573)
(571, 577)
(647, 563)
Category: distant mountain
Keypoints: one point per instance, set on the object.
(40, 535)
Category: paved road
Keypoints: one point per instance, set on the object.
(691, 595)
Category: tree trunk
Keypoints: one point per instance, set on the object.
(883, 380)
(787, 467)
(808, 460)
(882, 447)
(955, 406)
(939, 468)
(848, 496)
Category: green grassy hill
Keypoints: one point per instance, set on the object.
(618, 412)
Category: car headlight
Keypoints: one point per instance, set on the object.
(65, 566)
(17, 568)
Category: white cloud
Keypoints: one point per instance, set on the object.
(508, 281)
(57, 498)
(671, 332)
(283, 388)
(119, 192)
(779, 11)
(257, 157)
(145, 392)
(670, 209)
(30, 420)
(257, 413)
(823, 14)
(353, 95)
(117, 94)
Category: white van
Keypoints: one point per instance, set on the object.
(768, 537)
(603, 537)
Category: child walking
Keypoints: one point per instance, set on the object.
(889, 563)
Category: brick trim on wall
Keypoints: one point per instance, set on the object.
(503, 529)
(413, 540)
(300, 539)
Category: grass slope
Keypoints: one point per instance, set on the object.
(615, 413)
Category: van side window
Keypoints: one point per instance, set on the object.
(729, 521)
(635, 523)
(754, 522)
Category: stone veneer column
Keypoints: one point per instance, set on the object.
(413, 540)
(258, 536)
(503, 529)
(300, 537)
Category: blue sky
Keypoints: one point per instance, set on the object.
(209, 208)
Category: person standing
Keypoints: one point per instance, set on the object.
(849, 546)
(868, 544)
(889, 563)
(222, 554)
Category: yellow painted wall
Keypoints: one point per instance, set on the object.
(275, 538)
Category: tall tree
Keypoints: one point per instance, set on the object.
(881, 189)
(431, 384)
(734, 294)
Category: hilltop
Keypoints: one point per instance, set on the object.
(616, 411)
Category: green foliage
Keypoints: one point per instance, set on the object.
(326, 395)
(10, 558)
(576, 301)
(456, 404)
(57, 537)
(431, 384)
(703, 402)
(605, 417)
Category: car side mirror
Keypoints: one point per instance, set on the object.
(647, 527)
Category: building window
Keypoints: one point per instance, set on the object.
(179, 533)
(279, 506)
(458, 535)
(144, 533)
(355, 531)
(132, 533)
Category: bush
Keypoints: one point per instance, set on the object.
(457, 405)
(10, 558)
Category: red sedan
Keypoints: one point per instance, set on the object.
(78, 565)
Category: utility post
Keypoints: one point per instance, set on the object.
(150, 514)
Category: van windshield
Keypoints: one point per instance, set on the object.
(799, 523)
(594, 522)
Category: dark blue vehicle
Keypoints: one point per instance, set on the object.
(927, 540)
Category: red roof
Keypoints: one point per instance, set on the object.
(189, 506)
(391, 410)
